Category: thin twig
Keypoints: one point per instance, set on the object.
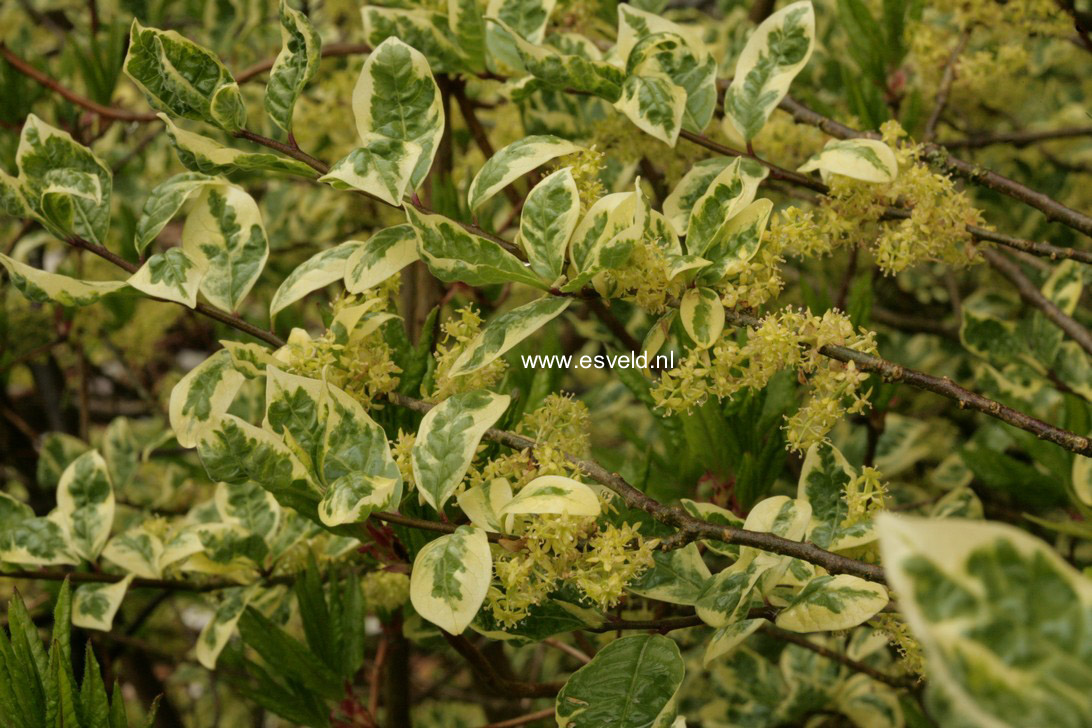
(1018, 139)
(521, 720)
(842, 659)
(567, 649)
(945, 87)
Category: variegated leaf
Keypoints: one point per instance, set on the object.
(702, 315)
(138, 551)
(655, 103)
(63, 183)
(352, 497)
(688, 65)
(679, 205)
(737, 242)
(294, 66)
(202, 396)
(382, 167)
(218, 630)
(396, 99)
(823, 480)
(295, 408)
(776, 51)
(604, 238)
(519, 20)
(514, 161)
(423, 29)
(869, 160)
(380, 257)
(1082, 479)
(1002, 619)
(453, 254)
(354, 444)
(94, 605)
(225, 236)
(43, 287)
(249, 359)
(13, 201)
(37, 541)
(633, 681)
(830, 603)
(249, 506)
(505, 331)
(728, 194)
(549, 217)
(467, 21)
(484, 503)
(728, 595)
(85, 500)
(172, 275)
(318, 271)
(450, 578)
(635, 24)
(720, 516)
(447, 438)
(677, 576)
(198, 153)
(182, 78)
(725, 639)
(121, 451)
(164, 202)
(554, 494)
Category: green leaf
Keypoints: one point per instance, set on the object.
(294, 67)
(655, 103)
(183, 79)
(519, 20)
(353, 444)
(198, 153)
(549, 217)
(318, 271)
(288, 656)
(447, 438)
(164, 202)
(830, 603)
(869, 160)
(224, 235)
(453, 254)
(42, 287)
(202, 395)
(450, 578)
(1002, 619)
(777, 50)
(425, 30)
(380, 257)
(505, 331)
(690, 66)
(396, 99)
(737, 242)
(702, 315)
(483, 504)
(85, 499)
(630, 682)
(467, 21)
(173, 275)
(727, 638)
(138, 551)
(514, 161)
(679, 205)
(63, 183)
(95, 605)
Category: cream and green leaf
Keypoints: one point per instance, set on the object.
(199, 153)
(1002, 618)
(85, 504)
(775, 53)
(549, 217)
(384, 254)
(94, 605)
(514, 161)
(702, 315)
(294, 66)
(447, 438)
(505, 331)
(830, 603)
(202, 396)
(450, 578)
(869, 160)
(44, 287)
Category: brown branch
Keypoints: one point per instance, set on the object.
(1017, 138)
(481, 138)
(107, 112)
(1034, 297)
(842, 659)
(945, 87)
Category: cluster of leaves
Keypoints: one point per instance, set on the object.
(362, 423)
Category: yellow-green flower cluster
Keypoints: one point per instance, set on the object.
(562, 425)
(597, 560)
(865, 496)
(894, 627)
(385, 591)
(458, 332)
(402, 452)
(789, 339)
(586, 165)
